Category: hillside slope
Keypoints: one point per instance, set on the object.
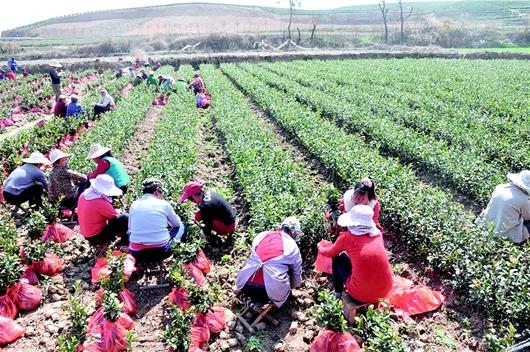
(200, 18)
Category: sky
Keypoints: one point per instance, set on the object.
(29, 11)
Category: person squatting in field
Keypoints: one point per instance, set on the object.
(214, 211)
(105, 103)
(27, 183)
(509, 208)
(359, 258)
(109, 165)
(363, 193)
(64, 183)
(203, 100)
(99, 222)
(60, 107)
(274, 267)
(74, 109)
(149, 216)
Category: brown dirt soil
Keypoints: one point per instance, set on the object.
(138, 144)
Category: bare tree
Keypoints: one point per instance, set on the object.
(402, 19)
(292, 4)
(384, 13)
(315, 19)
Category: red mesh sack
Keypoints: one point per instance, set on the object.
(101, 269)
(331, 341)
(8, 309)
(51, 265)
(9, 331)
(179, 297)
(30, 276)
(214, 319)
(202, 262)
(126, 297)
(196, 274)
(25, 296)
(416, 300)
(96, 320)
(200, 333)
(323, 263)
(57, 233)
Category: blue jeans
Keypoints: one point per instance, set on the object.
(158, 254)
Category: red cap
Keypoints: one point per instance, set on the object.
(190, 189)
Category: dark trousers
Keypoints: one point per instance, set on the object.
(341, 271)
(33, 195)
(69, 203)
(256, 293)
(100, 109)
(118, 226)
(158, 254)
(527, 225)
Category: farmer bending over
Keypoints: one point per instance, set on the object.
(359, 257)
(197, 84)
(63, 181)
(105, 103)
(109, 165)
(214, 211)
(509, 208)
(99, 222)
(274, 266)
(27, 182)
(149, 218)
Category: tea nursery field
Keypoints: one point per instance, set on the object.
(436, 136)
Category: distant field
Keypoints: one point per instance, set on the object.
(496, 50)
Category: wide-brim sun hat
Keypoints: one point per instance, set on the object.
(55, 64)
(57, 154)
(359, 220)
(189, 190)
(521, 180)
(36, 158)
(97, 150)
(105, 185)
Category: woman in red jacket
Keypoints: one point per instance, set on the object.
(359, 257)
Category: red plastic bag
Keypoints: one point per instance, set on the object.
(416, 300)
(200, 333)
(51, 265)
(126, 297)
(202, 262)
(179, 297)
(214, 319)
(101, 269)
(2, 200)
(57, 233)
(108, 337)
(30, 276)
(25, 296)
(96, 320)
(8, 309)
(196, 274)
(323, 263)
(331, 341)
(9, 331)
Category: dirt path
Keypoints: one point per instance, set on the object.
(453, 327)
(138, 144)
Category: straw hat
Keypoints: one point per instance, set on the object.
(521, 180)
(97, 150)
(105, 185)
(359, 220)
(55, 64)
(57, 154)
(36, 158)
